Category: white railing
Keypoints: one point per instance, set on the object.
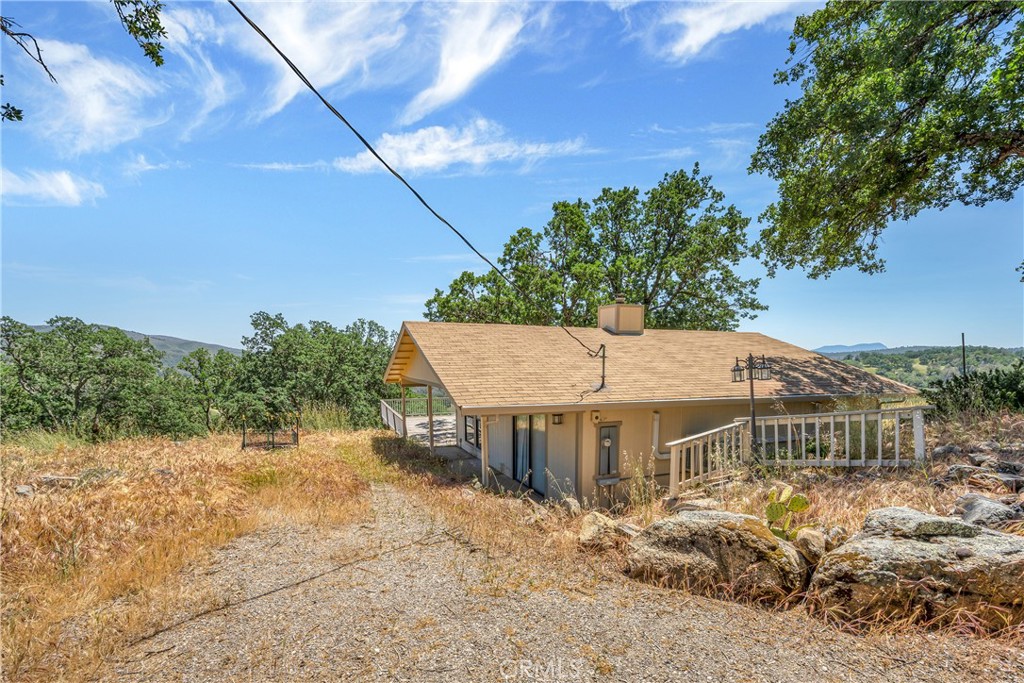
(887, 437)
(416, 406)
(391, 417)
(706, 455)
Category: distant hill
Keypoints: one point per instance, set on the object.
(918, 366)
(173, 348)
(840, 348)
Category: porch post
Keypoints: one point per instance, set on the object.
(430, 416)
(918, 434)
(405, 428)
(485, 456)
(673, 471)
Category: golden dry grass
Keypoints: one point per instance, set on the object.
(88, 566)
(500, 524)
(92, 566)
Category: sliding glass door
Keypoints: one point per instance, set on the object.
(521, 448)
(530, 451)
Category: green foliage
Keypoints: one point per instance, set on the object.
(903, 106)
(921, 367)
(673, 250)
(288, 367)
(76, 377)
(979, 393)
(783, 504)
(141, 20)
(94, 381)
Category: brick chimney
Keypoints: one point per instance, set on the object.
(621, 318)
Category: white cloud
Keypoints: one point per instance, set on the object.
(702, 23)
(139, 165)
(100, 103)
(187, 31)
(681, 31)
(51, 187)
(475, 37)
(332, 43)
(287, 166)
(435, 148)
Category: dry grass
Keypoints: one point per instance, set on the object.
(502, 525)
(89, 566)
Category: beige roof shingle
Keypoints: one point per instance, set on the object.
(519, 365)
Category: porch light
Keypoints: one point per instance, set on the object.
(749, 370)
(737, 372)
(556, 419)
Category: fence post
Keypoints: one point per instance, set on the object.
(673, 471)
(918, 434)
(745, 446)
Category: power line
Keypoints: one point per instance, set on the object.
(396, 174)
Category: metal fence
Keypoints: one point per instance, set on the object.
(270, 438)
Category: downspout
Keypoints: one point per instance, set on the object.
(656, 438)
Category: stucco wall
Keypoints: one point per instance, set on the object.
(575, 440)
(635, 435)
(562, 456)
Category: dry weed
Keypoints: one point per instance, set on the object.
(91, 563)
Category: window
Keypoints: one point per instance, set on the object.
(473, 430)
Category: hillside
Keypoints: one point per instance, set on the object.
(842, 348)
(173, 348)
(920, 365)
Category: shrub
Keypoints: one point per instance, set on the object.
(979, 393)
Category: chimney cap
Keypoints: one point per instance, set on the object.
(620, 298)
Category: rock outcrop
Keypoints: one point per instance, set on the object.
(975, 508)
(710, 551)
(906, 563)
(598, 531)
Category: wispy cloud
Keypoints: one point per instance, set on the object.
(50, 187)
(435, 148)
(680, 32)
(287, 166)
(98, 103)
(673, 154)
(188, 31)
(139, 164)
(712, 128)
(475, 37)
(333, 43)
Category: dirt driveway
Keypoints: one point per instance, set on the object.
(402, 598)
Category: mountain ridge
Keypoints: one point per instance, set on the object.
(173, 348)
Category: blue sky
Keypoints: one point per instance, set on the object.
(182, 199)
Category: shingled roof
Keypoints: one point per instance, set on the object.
(488, 366)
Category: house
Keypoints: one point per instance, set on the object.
(566, 411)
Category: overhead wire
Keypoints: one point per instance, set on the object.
(366, 143)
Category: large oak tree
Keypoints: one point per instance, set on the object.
(904, 106)
(673, 249)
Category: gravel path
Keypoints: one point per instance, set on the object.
(415, 604)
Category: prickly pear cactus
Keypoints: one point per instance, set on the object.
(783, 504)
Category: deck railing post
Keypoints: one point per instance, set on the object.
(674, 474)
(404, 422)
(918, 416)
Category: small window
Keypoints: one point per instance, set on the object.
(472, 430)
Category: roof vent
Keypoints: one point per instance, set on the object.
(621, 318)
